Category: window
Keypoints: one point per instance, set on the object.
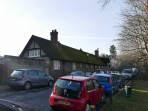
(68, 88)
(56, 65)
(81, 65)
(34, 53)
(87, 66)
(90, 85)
(41, 74)
(31, 73)
(74, 66)
(96, 84)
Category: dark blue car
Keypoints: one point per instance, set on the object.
(109, 82)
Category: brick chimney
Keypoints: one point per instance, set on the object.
(97, 53)
(54, 36)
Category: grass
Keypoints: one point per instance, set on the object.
(137, 102)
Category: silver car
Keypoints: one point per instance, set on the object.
(28, 78)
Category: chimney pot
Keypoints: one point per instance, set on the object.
(54, 36)
(97, 53)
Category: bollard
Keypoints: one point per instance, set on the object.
(128, 90)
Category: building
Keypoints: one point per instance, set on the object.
(61, 59)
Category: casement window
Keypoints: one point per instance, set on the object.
(56, 65)
(34, 53)
(87, 66)
(81, 65)
(92, 66)
(74, 67)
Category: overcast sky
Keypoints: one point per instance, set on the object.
(80, 23)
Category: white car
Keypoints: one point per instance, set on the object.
(127, 73)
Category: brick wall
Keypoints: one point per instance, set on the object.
(10, 63)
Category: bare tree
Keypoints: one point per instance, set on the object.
(133, 40)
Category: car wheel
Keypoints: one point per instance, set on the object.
(50, 83)
(103, 98)
(27, 86)
(87, 107)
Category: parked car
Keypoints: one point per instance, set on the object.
(98, 71)
(88, 74)
(27, 78)
(7, 105)
(114, 72)
(77, 73)
(76, 93)
(127, 73)
(109, 83)
(120, 79)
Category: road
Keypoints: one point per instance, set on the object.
(36, 97)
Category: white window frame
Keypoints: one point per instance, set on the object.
(74, 66)
(34, 53)
(56, 65)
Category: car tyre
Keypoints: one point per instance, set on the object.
(50, 83)
(87, 107)
(53, 108)
(27, 86)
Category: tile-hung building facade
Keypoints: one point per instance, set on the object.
(61, 59)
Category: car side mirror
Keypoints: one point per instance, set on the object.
(100, 86)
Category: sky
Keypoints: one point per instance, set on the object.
(80, 23)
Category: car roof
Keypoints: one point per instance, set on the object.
(105, 75)
(76, 78)
(26, 69)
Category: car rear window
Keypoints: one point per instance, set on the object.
(68, 88)
(17, 73)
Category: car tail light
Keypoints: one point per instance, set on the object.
(80, 95)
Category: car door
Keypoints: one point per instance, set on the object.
(91, 92)
(32, 77)
(43, 78)
(99, 91)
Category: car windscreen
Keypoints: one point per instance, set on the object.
(68, 88)
(17, 73)
(102, 78)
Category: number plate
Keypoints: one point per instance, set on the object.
(64, 102)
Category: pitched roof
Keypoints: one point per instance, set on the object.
(58, 51)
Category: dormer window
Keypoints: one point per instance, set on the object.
(34, 53)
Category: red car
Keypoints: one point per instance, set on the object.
(76, 93)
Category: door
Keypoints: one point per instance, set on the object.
(43, 78)
(32, 75)
(99, 90)
(92, 92)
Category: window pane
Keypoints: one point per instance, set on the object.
(34, 53)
